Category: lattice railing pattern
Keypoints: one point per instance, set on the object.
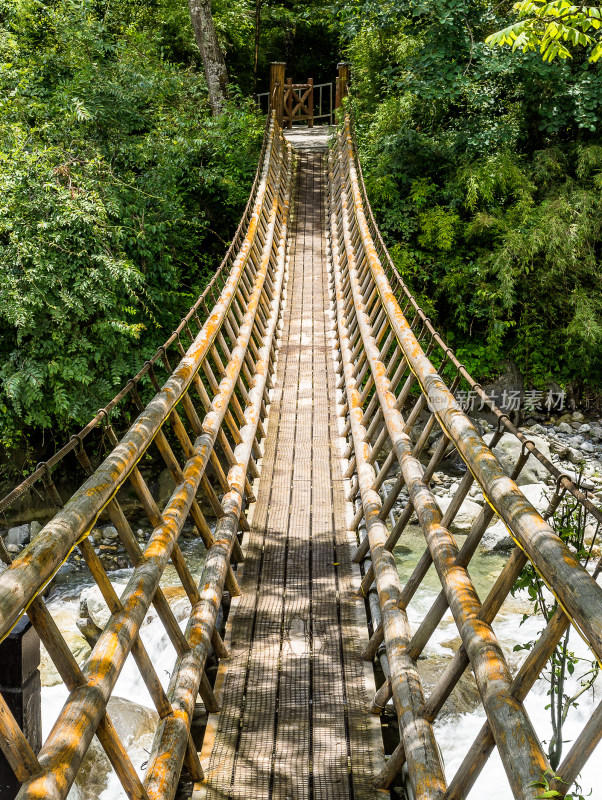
(384, 360)
(208, 412)
(299, 102)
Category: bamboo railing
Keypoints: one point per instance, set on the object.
(210, 412)
(383, 359)
(211, 409)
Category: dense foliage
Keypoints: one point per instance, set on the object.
(553, 28)
(303, 33)
(485, 169)
(119, 191)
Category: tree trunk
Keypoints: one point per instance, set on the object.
(256, 53)
(213, 59)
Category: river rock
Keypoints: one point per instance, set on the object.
(88, 630)
(584, 480)
(65, 616)
(18, 536)
(110, 533)
(564, 427)
(577, 416)
(178, 602)
(538, 494)
(469, 511)
(592, 534)
(34, 528)
(587, 447)
(497, 538)
(165, 488)
(92, 601)
(95, 536)
(575, 456)
(508, 451)
(135, 726)
(559, 449)
(464, 698)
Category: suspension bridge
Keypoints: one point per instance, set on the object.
(285, 398)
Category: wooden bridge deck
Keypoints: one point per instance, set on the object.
(294, 722)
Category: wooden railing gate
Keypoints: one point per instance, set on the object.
(299, 102)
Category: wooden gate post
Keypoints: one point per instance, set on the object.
(310, 103)
(289, 102)
(21, 690)
(342, 83)
(277, 89)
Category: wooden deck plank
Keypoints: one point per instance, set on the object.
(294, 723)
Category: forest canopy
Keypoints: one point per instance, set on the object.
(121, 186)
(485, 169)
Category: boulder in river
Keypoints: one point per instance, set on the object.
(538, 494)
(92, 604)
(575, 456)
(508, 451)
(559, 449)
(469, 511)
(18, 536)
(65, 616)
(135, 726)
(34, 528)
(110, 533)
(497, 538)
(464, 698)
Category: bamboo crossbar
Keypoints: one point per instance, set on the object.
(385, 356)
(234, 352)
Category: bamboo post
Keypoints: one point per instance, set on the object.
(21, 691)
(310, 103)
(289, 102)
(342, 82)
(277, 89)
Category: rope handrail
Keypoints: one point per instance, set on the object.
(234, 352)
(384, 356)
(564, 480)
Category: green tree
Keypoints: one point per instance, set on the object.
(216, 74)
(119, 192)
(553, 29)
(483, 169)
